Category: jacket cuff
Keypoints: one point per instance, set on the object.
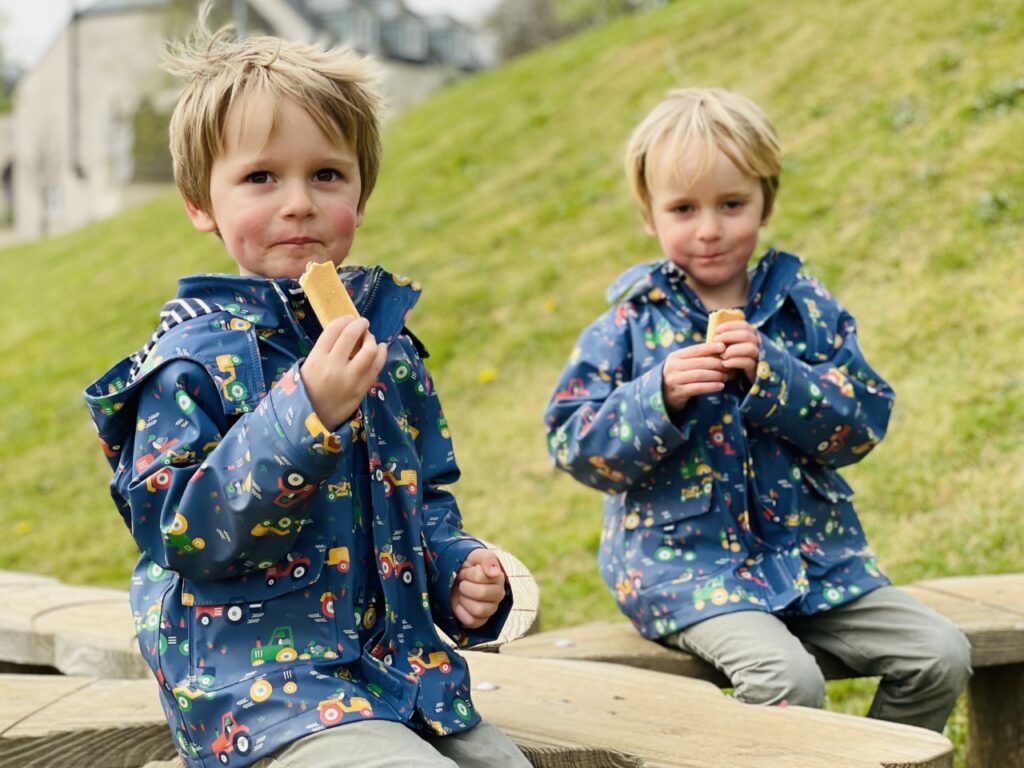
(311, 444)
(672, 432)
(769, 393)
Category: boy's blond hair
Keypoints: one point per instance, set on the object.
(337, 87)
(716, 119)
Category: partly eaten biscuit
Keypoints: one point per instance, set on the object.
(326, 293)
(720, 316)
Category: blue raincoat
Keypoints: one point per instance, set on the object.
(291, 577)
(735, 503)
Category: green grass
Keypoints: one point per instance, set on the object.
(504, 197)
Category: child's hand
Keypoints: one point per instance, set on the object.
(479, 588)
(742, 347)
(691, 371)
(336, 379)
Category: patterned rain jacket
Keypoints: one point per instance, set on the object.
(290, 577)
(735, 504)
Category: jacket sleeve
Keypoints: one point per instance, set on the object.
(835, 408)
(446, 544)
(604, 429)
(203, 488)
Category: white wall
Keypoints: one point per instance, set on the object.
(71, 171)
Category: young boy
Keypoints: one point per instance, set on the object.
(283, 481)
(728, 532)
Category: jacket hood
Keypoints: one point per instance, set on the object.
(770, 282)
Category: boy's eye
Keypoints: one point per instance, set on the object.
(734, 204)
(258, 177)
(682, 208)
(327, 174)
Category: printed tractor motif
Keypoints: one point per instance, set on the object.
(437, 659)
(317, 651)
(234, 614)
(159, 480)
(184, 695)
(339, 557)
(329, 442)
(233, 737)
(280, 527)
(715, 592)
(407, 477)
(175, 536)
(337, 491)
(233, 388)
(333, 710)
(296, 567)
(280, 648)
(390, 566)
(292, 488)
(327, 604)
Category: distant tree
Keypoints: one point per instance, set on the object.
(522, 25)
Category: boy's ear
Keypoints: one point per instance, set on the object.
(360, 214)
(201, 220)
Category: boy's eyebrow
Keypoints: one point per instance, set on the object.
(320, 161)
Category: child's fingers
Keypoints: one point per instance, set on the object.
(479, 610)
(329, 335)
(349, 337)
(740, 352)
(486, 592)
(711, 349)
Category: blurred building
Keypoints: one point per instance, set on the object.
(88, 130)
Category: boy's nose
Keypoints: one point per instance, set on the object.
(298, 201)
(709, 227)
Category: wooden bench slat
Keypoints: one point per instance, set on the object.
(667, 720)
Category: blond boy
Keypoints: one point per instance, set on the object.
(728, 531)
(283, 481)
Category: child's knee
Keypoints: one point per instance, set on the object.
(795, 680)
(950, 663)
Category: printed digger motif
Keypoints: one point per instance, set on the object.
(290, 578)
(736, 505)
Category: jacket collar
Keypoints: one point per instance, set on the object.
(383, 298)
(662, 281)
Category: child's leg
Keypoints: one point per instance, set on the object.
(481, 747)
(924, 660)
(762, 658)
(367, 743)
(383, 744)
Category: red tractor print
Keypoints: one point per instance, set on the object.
(233, 737)
(292, 488)
(389, 566)
(293, 566)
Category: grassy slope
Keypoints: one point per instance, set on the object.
(504, 197)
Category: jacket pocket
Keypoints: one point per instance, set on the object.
(263, 621)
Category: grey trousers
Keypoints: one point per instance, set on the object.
(922, 658)
(383, 744)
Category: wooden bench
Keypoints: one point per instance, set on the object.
(561, 712)
(989, 609)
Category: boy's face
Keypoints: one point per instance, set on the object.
(280, 200)
(708, 225)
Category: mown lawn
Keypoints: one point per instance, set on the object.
(504, 197)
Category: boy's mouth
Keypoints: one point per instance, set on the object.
(298, 241)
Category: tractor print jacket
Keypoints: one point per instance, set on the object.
(291, 577)
(734, 503)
